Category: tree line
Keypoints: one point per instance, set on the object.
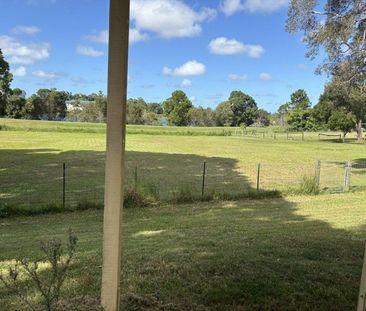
(339, 108)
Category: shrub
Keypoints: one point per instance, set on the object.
(134, 198)
(46, 282)
(308, 185)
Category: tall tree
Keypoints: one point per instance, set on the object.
(340, 28)
(5, 80)
(176, 108)
(136, 109)
(299, 113)
(244, 108)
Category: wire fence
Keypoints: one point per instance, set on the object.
(77, 182)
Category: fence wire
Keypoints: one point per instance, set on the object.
(83, 181)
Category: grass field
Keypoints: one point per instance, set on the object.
(294, 253)
(32, 153)
(286, 253)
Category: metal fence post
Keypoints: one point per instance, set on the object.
(347, 176)
(135, 178)
(203, 178)
(258, 175)
(317, 173)
(63, 185)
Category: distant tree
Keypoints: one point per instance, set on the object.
(155, 108)
(49, 104)
(224, 116)
(299, 115)
(263, 118)
(136, 109)
(33, 108)
(323, 110)
(351, 99)
(244, 108)
(176, 108)
(201, 117)
(342, 121)
(299, 100)
(282, 114)
(5, 80)
(15, 106)
(100, 102)
(152, 118)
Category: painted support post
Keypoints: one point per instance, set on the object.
(361, 304)
(317, 173)
(63, 185)
(203, 178)
(258, 175)
(115, 156)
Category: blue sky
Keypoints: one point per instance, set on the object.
(207, 48)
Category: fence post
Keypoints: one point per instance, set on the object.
(258, 175)
(203, 178)
(135, 178)
(63, 185)
(347, 176)
(361, 305)
(302, 138)
(317, 173)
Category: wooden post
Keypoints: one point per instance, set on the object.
(63, 185)
(361, 304)
(347, 176)
(317, 174)
(115, 156)
(203, 178)
(258, 175)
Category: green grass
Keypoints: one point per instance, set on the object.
(31, 163)
(294, 253)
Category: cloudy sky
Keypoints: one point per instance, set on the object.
(205, 47)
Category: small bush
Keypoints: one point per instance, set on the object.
(47, 283)
(134, 198)
(308, 185)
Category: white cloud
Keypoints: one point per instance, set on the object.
(136, 35)
(264, 76)
(103, 36)
(169, 18)
(47, 75)
(186, 83)
(20, 72)
(225, 46)
(18, 53)
(190, 68)
(88, 51)
(236, 77)
(229, 7)
(267, 6)
(27, 30)
(100, 37)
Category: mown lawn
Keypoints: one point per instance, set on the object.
(292, 253)
(31, 158)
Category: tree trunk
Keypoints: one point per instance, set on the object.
(344, 137)
(359, 130)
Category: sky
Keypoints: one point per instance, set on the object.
(207, 48)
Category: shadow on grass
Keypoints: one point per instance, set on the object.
(244, 255)
(32, 178)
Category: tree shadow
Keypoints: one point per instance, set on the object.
(36, 177)
(243, 255)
